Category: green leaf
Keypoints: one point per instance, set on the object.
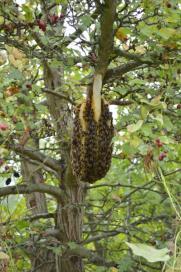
(155, 101)
(125, 264)
(135, 127)
(72, 245)
(135, 141)
(158, 117)
(85, 21)
(57, 250)
(166, 33)
(28, 13)
(61, 1)
(144, 112)
(150, 253)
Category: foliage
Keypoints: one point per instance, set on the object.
(138, 202)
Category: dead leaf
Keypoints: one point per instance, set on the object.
(121, 35)
(12, 90)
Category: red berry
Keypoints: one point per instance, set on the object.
(53, 19)
(158, 143)
(162, 156)
(61, 16)
(3, 127)
(42, 25)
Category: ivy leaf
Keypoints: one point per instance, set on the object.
(150, 253)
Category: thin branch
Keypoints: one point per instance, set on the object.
(29, 218)
(38, 156)
(124, 186)
(59, 95)
(104, 235)
(123, 230)
(120, 102)
(79, 31)
(91, 256)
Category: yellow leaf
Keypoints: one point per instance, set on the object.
(12, 60)
(114, 269)
(17, 54)
(12, 90)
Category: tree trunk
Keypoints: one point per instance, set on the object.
(70, 208)
(69, 222)
(42, 259)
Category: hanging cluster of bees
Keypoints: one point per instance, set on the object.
(91, 150)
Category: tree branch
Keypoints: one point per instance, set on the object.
(104, 235)
(91, 256)
(38, 156)
(107, 37)
(61, 96)
(31, 188)
(119, 102)
(117, 72)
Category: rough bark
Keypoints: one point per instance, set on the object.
(70, 207)
(42, 259)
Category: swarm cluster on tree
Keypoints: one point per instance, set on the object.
(90, 136)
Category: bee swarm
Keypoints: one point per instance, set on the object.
(91, 149)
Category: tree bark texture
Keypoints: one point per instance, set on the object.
(70, 207)
(42, 259)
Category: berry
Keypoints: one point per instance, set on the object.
(61, 16)
(3, 127)
(16, 174)
(162, 156)
(53, 19)
(42, 25)
(8, 181)
(158, 143)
